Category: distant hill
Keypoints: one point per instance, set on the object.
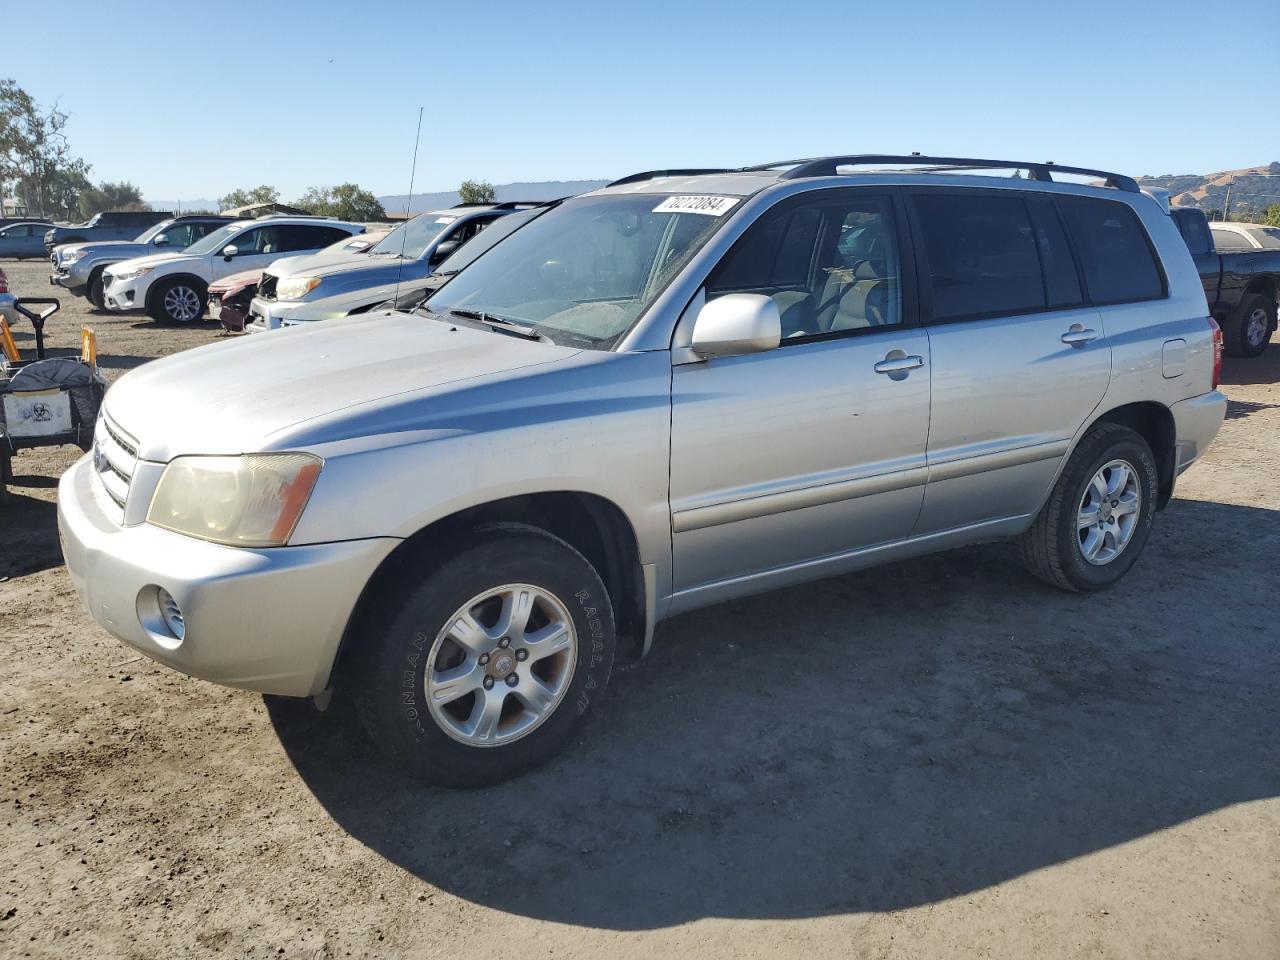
(1209, 191)
(544, 190)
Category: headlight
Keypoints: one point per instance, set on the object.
(253, 500)
(133, 274)
(296, 288)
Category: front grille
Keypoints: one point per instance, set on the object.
(114, 457)
(267, 286)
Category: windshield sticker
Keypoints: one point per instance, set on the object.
(711, 206)
(445, 219)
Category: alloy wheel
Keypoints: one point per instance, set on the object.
(182, 304)
(1108, 513)
(1257, 327)
(501, 665)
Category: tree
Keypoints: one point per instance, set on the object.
(111, 196)
(345, 201)
(1271, 216)
(243, 198)
(34, 154)
(477, 191)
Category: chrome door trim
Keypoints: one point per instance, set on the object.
(997, 460)
(796, 498)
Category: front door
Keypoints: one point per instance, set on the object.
(785, 463)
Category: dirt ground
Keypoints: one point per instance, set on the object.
(936, 758)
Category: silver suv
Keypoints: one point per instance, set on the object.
(686, 387)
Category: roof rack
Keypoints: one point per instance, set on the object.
(678, 172)
(1042, 171)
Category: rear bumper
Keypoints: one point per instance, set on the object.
(1196, 422)
(265, 620)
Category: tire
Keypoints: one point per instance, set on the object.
(1247, 332)
(165, 305)
(1054, 548)
(94, 291)
(408, 647)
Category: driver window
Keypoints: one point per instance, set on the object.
(830, 265)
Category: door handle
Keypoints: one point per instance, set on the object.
(1079, 335)
(901, 364)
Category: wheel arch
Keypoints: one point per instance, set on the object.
(160, 283)
(1154, 422)
(593, 525)
(1265, 285)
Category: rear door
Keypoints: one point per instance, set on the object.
(1019, 357)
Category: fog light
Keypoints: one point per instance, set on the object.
(171, 613)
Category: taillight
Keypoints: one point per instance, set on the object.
(4, 284)
(1217, 352)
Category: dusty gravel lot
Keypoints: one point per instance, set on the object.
(938, 758)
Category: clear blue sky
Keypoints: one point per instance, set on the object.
(192, 99)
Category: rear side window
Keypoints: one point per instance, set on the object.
(1228, 241)
(983, 257)
(1194, 230)
(1061, 282)
(1118, 262)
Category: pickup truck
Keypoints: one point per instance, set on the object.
(1241, 287)
(108, 225)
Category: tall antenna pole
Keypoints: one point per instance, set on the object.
(1226, 207)
(413, 172)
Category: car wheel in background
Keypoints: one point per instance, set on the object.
(177, 301)
(1247, 332)
(95, 292)
(1098, 516)
(475, 668)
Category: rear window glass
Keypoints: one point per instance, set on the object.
(1119, 266)
(1194, 230)
(983, 259)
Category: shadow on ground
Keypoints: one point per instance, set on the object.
(872, 742)
(1248, 371)
(28, 529)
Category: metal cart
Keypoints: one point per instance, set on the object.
(45, 401)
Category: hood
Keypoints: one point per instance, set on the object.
(121, 248)
(312, 263)
(153, 260)
(255, 393)
(237, 281)
(363, 274)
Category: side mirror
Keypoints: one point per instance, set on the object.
(229, 251)
(735, 324)
(443, 251)
(161, 240)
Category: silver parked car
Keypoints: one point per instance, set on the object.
(683, 388)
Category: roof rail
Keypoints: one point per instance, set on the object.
(1042, 171)
(679, 172)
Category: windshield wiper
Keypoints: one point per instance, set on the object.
(502, 324)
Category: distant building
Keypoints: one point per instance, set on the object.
(252, 210)
(13, 207)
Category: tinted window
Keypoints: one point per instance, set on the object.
(1194, 230)
(1228, 241)
(1061, 282)
(1118, 263)
(983, 259)
(1269, 237)
(831, 265)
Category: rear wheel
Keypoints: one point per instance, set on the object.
(177, 301)
(1247, 332)
(1096, 521)
(480, 666)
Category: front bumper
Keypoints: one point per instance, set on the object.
(1196, 422)
(269, 620)
(269, 314)
(122, 295)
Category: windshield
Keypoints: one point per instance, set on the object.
(586, 270)
(413, 237)
(152, 232)
(1269, 237)
(214, 241)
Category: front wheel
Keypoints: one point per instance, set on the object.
(1098, 516)
(176, 301)
(480, 666)
(95, 291)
